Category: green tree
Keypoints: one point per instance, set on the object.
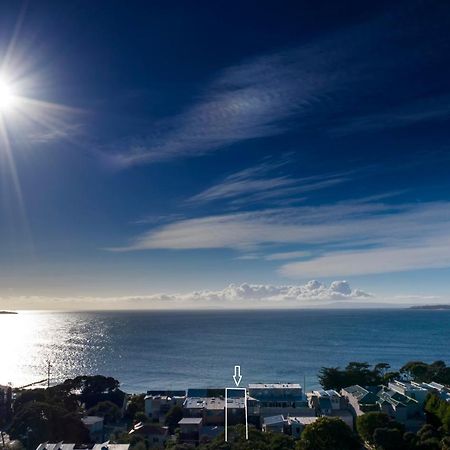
(95, 389)
(328, 433)
(445, 443)
(39, 422)
(420, 371)
(173, 417)
(53, 395)
(438, 412)
(108, 410)
(257, 441)
(389, 439)
(140, 416)
(354, 373)
(136, 404)
(331, 378)
(368, 423)
(382, 368)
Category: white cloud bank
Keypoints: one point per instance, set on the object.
(311, 294)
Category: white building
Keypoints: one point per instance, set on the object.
(157, 406)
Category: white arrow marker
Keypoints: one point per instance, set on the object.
(237, 375)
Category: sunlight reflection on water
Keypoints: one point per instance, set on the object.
(72, 343)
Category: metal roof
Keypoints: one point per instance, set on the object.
(273, 420)
(190, 421)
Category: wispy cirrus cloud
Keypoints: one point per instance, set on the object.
(347, 238)
(287, 255)
(436, 108)
(247, 101)
(431, 253)
(63, 131)
(261, 183)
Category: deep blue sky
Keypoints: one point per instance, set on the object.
(190, 145)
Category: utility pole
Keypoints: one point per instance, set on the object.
(49, 367)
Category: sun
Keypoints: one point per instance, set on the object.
(7, 97)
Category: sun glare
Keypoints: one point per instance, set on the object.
(6, 95)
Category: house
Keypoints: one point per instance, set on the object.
(156, 435)
(271, 399)
(5, 404)
(282, 395)
(360, 400)
(159, 403)
(330, 403)
(296, 425)
(212, 410)
(274, 424)
(436, 388)
(402, 408)
(95, 426)
(70, 446)
(292, 426)
(410, 389)
(190, 429)
(325, 402)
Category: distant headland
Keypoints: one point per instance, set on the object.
(434, 307)
(8, 312)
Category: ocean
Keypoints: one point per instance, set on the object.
(176, 350)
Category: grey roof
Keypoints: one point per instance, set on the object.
(213, 403)
(204, 403)
(328, 393)
(274, 386)
(273, 420)
(361, 394)
(55, 446)
(238, 402)
(90, 420)
(302, 420)
(108, 446)
(190, 421)
(332, 392)
(394, 398)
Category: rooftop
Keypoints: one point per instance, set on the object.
(108, 446)
(274, 386)
(302, 420)
(55, 446)
(360, 393)
(190, 421)
(91, 420)
(213, 403)
(71, 446)
(272, 420)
